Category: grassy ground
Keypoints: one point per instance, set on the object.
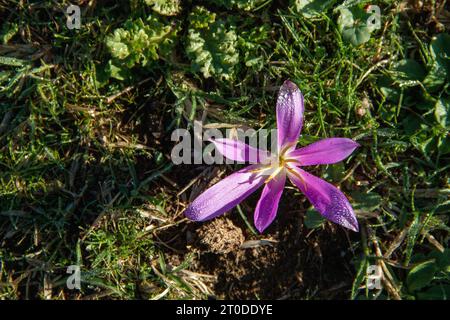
(85, 123)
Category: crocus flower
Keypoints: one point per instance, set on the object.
(272, 170)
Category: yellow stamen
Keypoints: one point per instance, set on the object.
(291, 160)
(274, 174)
(282, 164)
(295, 173)
(286, 147)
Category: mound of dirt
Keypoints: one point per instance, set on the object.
(220, 236)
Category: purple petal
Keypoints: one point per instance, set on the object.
(267, 206)
(289, 114)
(324, 151)
(225, 194)
(239, 151)
(326, 198)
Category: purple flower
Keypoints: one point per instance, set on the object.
(272, 170)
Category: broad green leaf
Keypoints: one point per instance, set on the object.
(421, 275)
(441, 111)
(442, 259)
(435, 78)
(437, 292)
(388, 89)
(313, 219)
(366, 202)
(115, 72)
(419, 258)
(353, 26)
(408, 70)
(430, 144)
(444, 145)
(411, 124)
(440, 50)
(404, 76)
(312, 8)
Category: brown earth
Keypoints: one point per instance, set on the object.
(288, 261)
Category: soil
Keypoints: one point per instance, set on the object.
(288, 261)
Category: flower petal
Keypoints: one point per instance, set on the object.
(225, 194)
(289, 114)
(267, 206)
(326, 151)
(239, 151)
(326, 198)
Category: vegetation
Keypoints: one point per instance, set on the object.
(86, 118)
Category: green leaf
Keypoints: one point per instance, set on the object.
(360, 276)
(421, 275)
(441, 111)
(139, 42)
(335, 172)
(212, 45)
(444, 145)
(366, 202)
(9, 30)
(419, 258)
(438, 292)
(251, 44)
(408, 70)
(411, 124)
(411, 238)
(313, 219)
(353, 26)
(442, 259)
(440, 50)
(13, 62)
(116, 72)
(435, 78)
(312, 8)
(165, 7)
(305, 139)
(388, 89)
